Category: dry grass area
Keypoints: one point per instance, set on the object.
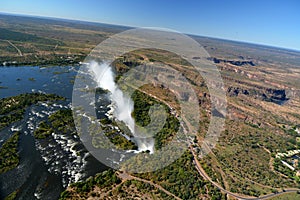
(257, 123)
(263, 95)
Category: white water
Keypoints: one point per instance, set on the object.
(123, 105)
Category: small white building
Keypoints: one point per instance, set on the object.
(288, 165)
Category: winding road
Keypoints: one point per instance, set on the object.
(19, 51)
(206, 177)
(237, 196)
(126, 176)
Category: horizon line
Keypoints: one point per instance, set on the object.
(130, 26)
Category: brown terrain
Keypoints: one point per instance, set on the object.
(263, 98)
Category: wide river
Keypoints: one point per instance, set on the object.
(48, 166)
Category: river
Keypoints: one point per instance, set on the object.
(46, 166)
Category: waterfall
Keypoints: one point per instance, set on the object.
(123, 105)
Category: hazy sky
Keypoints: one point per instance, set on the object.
(271, 22)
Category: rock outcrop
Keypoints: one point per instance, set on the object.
(233, 62)
(277, 96)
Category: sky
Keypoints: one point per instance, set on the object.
(269, 22)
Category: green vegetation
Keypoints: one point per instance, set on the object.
(120, 141)
(142, 105)
(114, 135)
(11, 196)
(44, 43)
(15, 116)
(43, 131)
(244, 160)
(135, 189)
(60, 121)
(105, 180)
(23, 37)
(278, 166)
(245, 153)
(12, 109)
(10, 104)
(182, 179)
(9, 158)
(45, 60)
(31, 79)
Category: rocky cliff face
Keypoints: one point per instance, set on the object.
(277, 96)
(233, 62)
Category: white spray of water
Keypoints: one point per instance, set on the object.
(104, 77)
